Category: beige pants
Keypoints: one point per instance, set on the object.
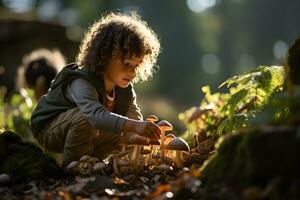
(71, 134)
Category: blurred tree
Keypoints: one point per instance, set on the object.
(199, 47)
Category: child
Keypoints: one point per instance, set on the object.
(91, 102)
(39, 69)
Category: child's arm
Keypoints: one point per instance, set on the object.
(86, 98)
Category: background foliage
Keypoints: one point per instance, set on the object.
(203, 41)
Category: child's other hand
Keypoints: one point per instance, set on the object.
(148, 129)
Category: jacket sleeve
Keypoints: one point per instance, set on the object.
(134, 111)
(86, 98)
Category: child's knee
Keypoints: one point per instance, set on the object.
(81, 136)
(81, 125)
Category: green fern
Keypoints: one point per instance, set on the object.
(247, 95)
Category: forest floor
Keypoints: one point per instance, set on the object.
(180, 184)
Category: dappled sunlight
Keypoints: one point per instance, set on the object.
(192, 99)
(199, 6)
(280, 49)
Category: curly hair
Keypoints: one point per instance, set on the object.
(293, 62)
(117, 34)
(39, 63)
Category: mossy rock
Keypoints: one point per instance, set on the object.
(24, 161)
(254, 158)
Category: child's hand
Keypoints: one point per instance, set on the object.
(148, 129)
(143, 128)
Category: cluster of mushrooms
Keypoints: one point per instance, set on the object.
(139, 153)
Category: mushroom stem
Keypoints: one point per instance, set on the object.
(162, 143)
(123, 147)
(148, 157)
(136, 152)
(115, 166)
(136, 155)
(178, 159)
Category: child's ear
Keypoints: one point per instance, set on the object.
(40, 86)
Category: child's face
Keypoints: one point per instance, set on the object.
(121, 72)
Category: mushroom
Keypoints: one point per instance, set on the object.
(168, 139)
(99, 167)
(84, 158)
(115, 155)
(93, 160)
(155, 158)
(154, 144)
(164, 126)
(72, 167)
(152, 118)
(147, 154)
(178, 145)
(123, 142)
(145, 151)
(85, 168)
(137, 142)
(123, 163)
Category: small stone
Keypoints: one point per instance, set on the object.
(4, 179)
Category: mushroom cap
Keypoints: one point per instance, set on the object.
(93, 160)
(84, 158)
(178, 144)
(164, 124)
(170, 135)
(99, 165)
(72, 165)
(169, 138)
(138, 140)
(152, 118)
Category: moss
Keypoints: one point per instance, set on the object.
(25, 161)
(254, 158)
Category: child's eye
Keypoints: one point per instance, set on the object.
(126, 64)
